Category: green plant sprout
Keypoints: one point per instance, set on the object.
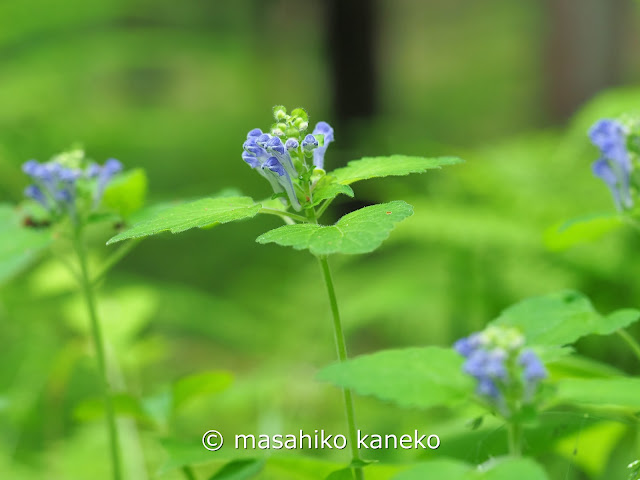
(292, 161)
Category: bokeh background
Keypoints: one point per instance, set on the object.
(173, 87)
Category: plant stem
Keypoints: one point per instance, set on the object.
(115, 257)
(633, 344)
(282, 213)
(514, 432)
(342, 355)
(188, 472)
(87, 290)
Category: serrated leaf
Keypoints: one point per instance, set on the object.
(207, 383)
(562, 318)
(414, 377)
(623, 392)
(124, 405)
(239, 470)
(499, 469)
(126, 193)
(202, 213)
(19, 245)
(330, 190)
(361, 231)
(581, 230)
(394, 165)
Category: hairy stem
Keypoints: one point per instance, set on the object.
(87, 290)
(281, 213)
(342, 355)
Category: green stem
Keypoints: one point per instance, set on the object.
(87, 290)
(342, 355)
(281, 213)
(324, 207)
(118, 255)
(633, 344)
(514, 432)
(188, 472)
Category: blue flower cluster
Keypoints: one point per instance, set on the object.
(55, 185)
(281, 155)
(502, 367)
(614, 165)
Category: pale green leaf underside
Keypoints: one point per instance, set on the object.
(562, 318)
(581, 230)
(394, 165)
(361, 231)
(500, 469)
(413, 377)
(614, 392)
(205, 212)
(329, 191)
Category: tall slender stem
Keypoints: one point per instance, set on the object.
(342, 355)
(87, 290)
(514, 431)
(629, 340)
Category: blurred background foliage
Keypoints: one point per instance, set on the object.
(173, 88)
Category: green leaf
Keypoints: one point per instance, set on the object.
(342, 474)
(124, 405)
(499, 469)
(126, 193)
(327, 191)
(581, 230)
(562, 318)
(207, 383)
(414, 377)
(361, 231)
(205, 212)
(19, 245)
(239, 470)
(394, 165)
(622, 392)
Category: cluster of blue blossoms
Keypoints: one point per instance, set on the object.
(615, 164)
(282, 155)
(507, 373)
(57, 184)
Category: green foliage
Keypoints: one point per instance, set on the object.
(415, 377)
(562, 318)
(206, 212)
(361, 231)
(342, 474)
(19, 246)
(499, 469)
(239, 470)
(193, 386)
(326, 190)
(394, 165)
(583, 229)
(621, 392)
(126, 193)
(124, 405)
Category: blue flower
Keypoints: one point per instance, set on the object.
(34, 192)
(275, 147)
(614, 167)
(533, 368)
(309, 143)
(322, 128)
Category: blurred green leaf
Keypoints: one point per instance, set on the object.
(580, 230)
(201, 213)
(19, 245)
(200, 384)
(623, 392)
(124, 405)
(342, 474)
(328, 190)
(126, 193)
(239, 470)
(361, 231)
(394, 165)
(562, 318)
(500, 469)
(414, 377)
